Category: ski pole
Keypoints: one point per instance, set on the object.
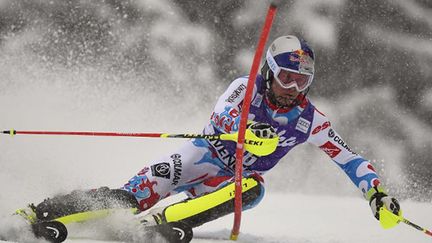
(406, 221)
(253, 144)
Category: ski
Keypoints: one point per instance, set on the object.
(56, 232)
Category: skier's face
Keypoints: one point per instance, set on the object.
(284, 96)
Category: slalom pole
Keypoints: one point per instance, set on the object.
(243, 120)
(254, 144)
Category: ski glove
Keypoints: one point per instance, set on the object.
(380, 199)
(262, 130)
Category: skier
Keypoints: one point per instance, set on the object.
(204, 169)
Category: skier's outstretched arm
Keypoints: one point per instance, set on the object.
(359, 170)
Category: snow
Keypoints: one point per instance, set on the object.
(308, 198)
(309, 218)
(299, 218)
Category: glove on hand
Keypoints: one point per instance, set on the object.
(262, 130)
(380, 199)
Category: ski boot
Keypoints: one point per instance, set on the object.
(173, 232)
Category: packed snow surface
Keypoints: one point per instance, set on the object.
(290, 218)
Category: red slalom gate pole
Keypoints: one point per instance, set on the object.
(243, 121)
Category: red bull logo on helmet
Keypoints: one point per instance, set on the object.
(305, 62)
(297, 56)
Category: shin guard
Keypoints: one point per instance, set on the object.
(206, 208)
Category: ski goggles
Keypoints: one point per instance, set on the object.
(288, 78)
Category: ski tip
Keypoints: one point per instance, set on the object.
(28, 214)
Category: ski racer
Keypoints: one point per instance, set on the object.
(204, 169)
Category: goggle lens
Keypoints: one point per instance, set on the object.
(289, 79)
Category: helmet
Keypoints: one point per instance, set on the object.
(289, 62)
(289, 54)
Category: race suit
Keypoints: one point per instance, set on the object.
(202, 166)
